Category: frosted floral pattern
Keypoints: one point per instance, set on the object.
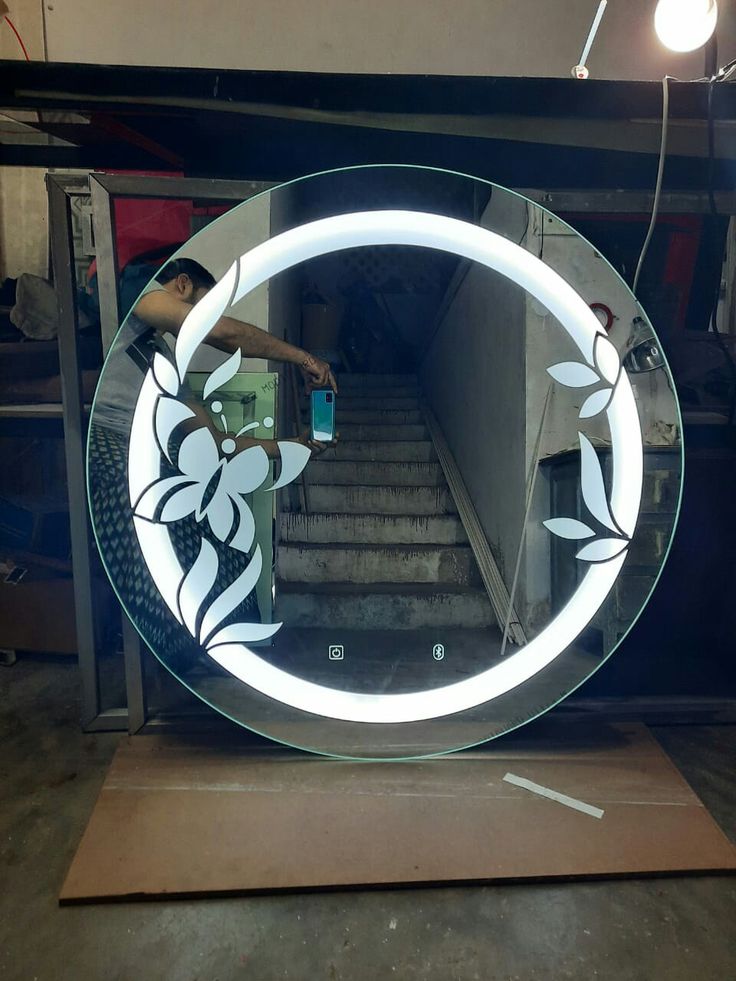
(606, 373)
(212, 480)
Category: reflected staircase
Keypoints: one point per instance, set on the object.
(382, 547)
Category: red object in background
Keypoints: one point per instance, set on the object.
(608, 314)
(683, 243)
(15, 31)
(145, 224)
(682, 254)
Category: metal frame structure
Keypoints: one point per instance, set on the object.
(104, 190)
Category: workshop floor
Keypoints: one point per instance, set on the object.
(678, 929)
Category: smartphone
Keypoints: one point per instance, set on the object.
(323, 415)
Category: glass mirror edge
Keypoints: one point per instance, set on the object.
(625, 634)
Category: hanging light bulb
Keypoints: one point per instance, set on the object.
(685, 25)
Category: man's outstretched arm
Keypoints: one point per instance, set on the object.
(166, 313)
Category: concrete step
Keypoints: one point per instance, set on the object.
(350, 606)
(385, 473)
(346, 379)
(377, 417)
(397, 451)
(333, 498)
(342, 563)
(379, 392)
(359, 403)
(375, 529)
(387, 433)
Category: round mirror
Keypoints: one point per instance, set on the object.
(385, 462)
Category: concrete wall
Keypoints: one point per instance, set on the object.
(485, 378)
(577, 262)
(23, 222)
(23, 212)
(474, 377)
(27, 18)
(475, 37)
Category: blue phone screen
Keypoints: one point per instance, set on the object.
(323, 416)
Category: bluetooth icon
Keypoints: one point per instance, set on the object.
(438, 652)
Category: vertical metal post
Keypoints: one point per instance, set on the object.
(62, 255)
(104, 190)
(135, 688)
(103, 219)
(103, 223)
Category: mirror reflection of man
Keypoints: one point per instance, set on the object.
(182, 283)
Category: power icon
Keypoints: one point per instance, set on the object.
(438, 652)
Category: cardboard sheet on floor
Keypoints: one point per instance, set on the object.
(193, 816)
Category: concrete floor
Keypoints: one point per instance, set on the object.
(678, 929)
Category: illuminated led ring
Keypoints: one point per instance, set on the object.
(475, 244)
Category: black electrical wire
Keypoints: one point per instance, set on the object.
(541, 239)
(526, 227)
(658, 182)
(711, 149)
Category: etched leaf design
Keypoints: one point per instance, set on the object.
(602, 549)
(199, 456)
(243, 537)
(220, 513)
(235, 593)
(568, 528)
(593, 487)
(294, 458)
(169, 414)
(165, 374)
(573, 374)
(202, 318)
(243, 633)
(151, 498)
(185, 501)
(222, 373)
(196, 585)
(247, 470)
(595, 403)
(606, 359)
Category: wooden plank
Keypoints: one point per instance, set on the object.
(184, 817)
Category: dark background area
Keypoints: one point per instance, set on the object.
(682, 643)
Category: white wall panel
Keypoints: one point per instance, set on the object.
(475, 37)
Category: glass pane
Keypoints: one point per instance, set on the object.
(491, 516)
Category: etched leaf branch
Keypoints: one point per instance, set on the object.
(606, 369)
(606, 546)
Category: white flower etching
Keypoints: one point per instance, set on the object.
(209, 486)
(212, 482)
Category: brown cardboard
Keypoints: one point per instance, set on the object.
(187, 817)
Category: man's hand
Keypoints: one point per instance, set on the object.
(165, 312)
(316, 373)
(314, 445)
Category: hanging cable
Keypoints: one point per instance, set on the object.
(658, 185)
